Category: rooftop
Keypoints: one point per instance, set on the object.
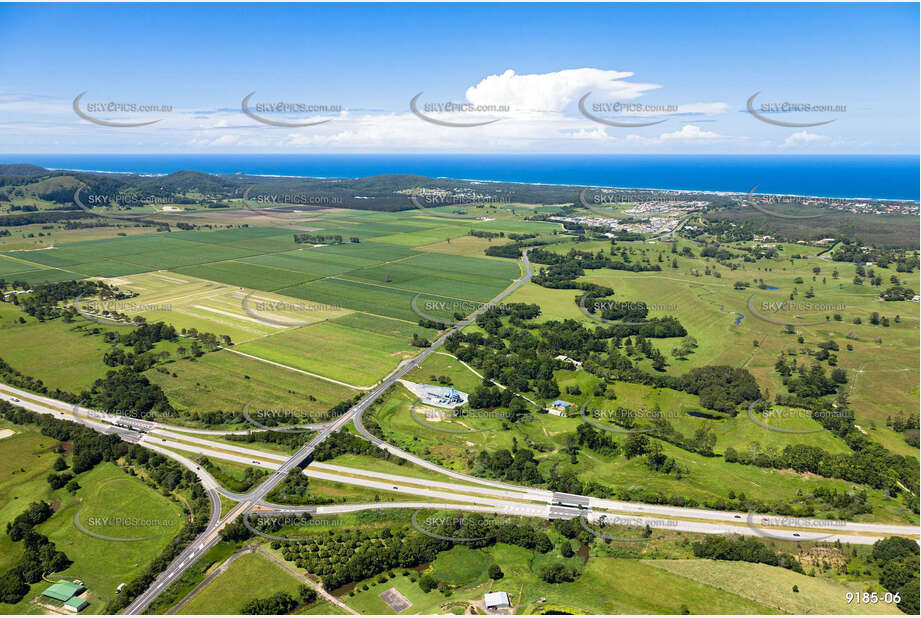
(62, 591)
(496, 599)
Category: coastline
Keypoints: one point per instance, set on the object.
(508, 182)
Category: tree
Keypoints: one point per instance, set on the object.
(307, 594)
(427, 583)
(495, 572)
(909, 598)
(12, 588)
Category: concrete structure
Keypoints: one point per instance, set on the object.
(439, 396)
(496, 600)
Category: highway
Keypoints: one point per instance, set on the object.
(211, 536)
(474, 494)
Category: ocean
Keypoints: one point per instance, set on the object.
(857, 176)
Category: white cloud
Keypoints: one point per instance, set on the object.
(687, 134)
(690, 132)
(553, 91)
(804, 138)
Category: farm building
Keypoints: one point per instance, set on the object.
(559, 408)
(67, 592)
(496, 600)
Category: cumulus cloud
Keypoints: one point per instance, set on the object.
(541, 117)
(554, 91)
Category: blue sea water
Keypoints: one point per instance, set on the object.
(866, 176)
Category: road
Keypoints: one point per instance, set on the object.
(561, 506)
(212, 535)
(478, 494)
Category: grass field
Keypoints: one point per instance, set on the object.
(226, 381)
(189, 302)
(773, 586)
(370, 298)
(63, 355)
(106, 491)
(250, 576)
(606, 586)
(355, 356)
(461, 566)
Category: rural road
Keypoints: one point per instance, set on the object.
(484, 494)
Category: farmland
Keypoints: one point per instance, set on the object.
(276, 313)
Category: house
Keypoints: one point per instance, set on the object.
(559, 408)
(566, 359)
(496, 600)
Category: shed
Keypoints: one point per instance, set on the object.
(496, 600)
(62, 591)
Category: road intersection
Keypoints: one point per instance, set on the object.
(470, 494)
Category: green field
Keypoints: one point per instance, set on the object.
(606, 586)
(250, 576)
(106, 491)
(226, 381)
(773, 586)
(359, 357)
(63, 355)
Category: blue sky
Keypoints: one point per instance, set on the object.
(528, 65)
